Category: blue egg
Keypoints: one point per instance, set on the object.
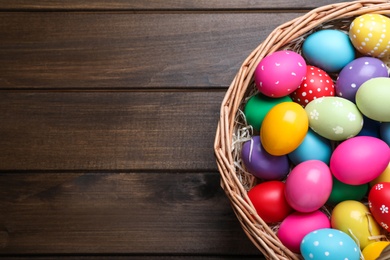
(370, 128)
(327, 244)
(385, 132)
(313, 147)
(328, 49)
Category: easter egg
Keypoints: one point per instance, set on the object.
(261, 164)
(369, 34)
(370, 128)
(280, 73)
(297, 225)
(313, 147)
(359, 160)
(308, 186)
(373, 250)
(355, 73)
(334, 118)
(379, 203)
(384, 131)
(328, 49)
(372, 99)
(383, 177)
(316, 84)
(328, 243)
(341, 192)
(269, 201)
(354, 218)
(284, 128)
(258, 106)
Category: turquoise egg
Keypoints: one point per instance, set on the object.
(313, 147)
(328, 49)
(334, 118)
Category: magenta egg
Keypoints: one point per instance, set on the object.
(356, 73)
(280, 73)
(308, 186)
(359, 160)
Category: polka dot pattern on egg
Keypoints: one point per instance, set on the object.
(329, 244)
(369, 33)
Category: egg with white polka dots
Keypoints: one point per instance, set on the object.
(329, 244)
(317, 83)
(370, 34)
(355, 73)
(280, 73)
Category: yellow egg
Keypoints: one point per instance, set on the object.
(284, 128)
(373, 250)
(370, 34)
(384, 177)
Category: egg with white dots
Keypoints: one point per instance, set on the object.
(329, 244)
(370, 34)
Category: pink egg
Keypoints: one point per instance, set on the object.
(297, 225)
(308, 186)
(359, 160)
(280, 73)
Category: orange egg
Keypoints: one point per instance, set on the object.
(284, 128)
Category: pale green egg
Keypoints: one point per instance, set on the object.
(334, 118)
(373, 99)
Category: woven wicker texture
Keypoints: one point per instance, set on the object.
(234, 180)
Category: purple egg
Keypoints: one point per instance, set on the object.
(261, 164)
(355, 73)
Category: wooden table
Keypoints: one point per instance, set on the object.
(108, 111)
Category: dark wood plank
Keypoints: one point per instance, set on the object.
(102, 50)
(161, 5)
(118, 213)
(108, 130)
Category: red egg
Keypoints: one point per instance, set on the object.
(379, 203)
(269, 201)
(317, 83)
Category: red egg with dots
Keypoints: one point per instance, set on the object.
(317, 83)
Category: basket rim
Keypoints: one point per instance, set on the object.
(260, 233)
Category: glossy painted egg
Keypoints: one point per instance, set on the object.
(313, 147)
(359, 160)
(308, 186)
(258, 106)
(334, 118)
(384, 131)
(269, 201)
(328, 243)
(341, 192)
(369, 34)
(328, 49)
(354, 218)
(297, 225)
(372, 99)
(280, 73)
(316, 84)
(284, 128)
(383, 177)
(355, 73)
(261, 164)
(379, 204)
(373, 250)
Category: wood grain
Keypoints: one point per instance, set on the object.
(104, 50)
(161, 5)
(108, 130)
(121, 213)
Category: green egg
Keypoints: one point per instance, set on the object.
(341, 192)
(334, 118)
(373, 99)
(258, 106)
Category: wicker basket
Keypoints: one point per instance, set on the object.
(232, 126)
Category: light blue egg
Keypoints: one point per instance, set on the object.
(385, 132)
(329, 244)
(313, 147)
(328, 49)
